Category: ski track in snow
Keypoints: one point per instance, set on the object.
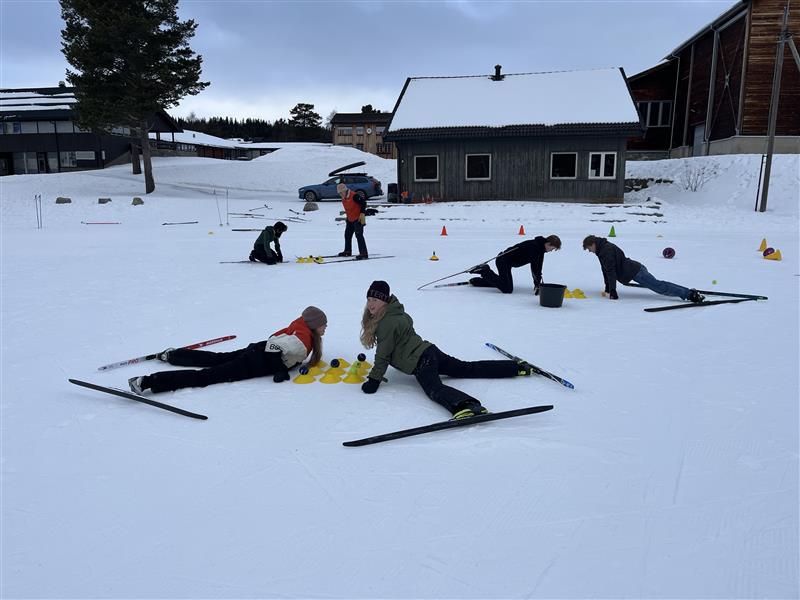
(670, 471)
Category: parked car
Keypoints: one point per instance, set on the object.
(362, 184)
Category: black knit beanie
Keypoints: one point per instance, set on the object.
(379, 290)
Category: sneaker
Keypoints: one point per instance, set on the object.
(524, 369)
(164, 356)
(137, 385)
(695, 296)
(345, 254)
(362, 257)
(252, 257)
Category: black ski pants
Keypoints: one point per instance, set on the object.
(262, 255)
(349, 229)
(502, 280)
(220, 367)
(433, 363)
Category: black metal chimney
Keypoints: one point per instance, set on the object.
(497, 76)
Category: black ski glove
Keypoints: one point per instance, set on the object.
(370, 386)
(281, 376)
(613, 295)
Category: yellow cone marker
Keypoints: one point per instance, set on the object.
(330, 378)
(307, 378)
(315, 371)
(567, 293)
(335, 372)
(763, 245)
(774, 256)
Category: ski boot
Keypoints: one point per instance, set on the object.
(524, 369)
(345, 254)
(473, 410)
(695, 296)
(362, 257)
(164, 356)
(137, 385)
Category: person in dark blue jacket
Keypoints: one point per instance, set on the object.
(618, 267)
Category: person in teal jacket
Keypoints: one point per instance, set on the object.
(271, 235)
(386, 327)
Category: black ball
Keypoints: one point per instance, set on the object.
(335, 363)
(362, 357)
(303, 370)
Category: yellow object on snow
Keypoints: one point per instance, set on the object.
(307, 378)
(763, 245)
(330, 378)
(774, 256)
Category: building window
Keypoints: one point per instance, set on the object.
(64, 126)
(85, 155)
(345, 131)
(602, 165)
(359, 131)
(380, 130)
(426, 168)
(52, 162)
(28, 127)
(479, 167)
(125, 131)
(563, 165)
(656, 114)
(384, 148)
(47, 127)
(68, 160)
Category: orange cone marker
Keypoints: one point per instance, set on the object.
(521, 230)
(444, 230)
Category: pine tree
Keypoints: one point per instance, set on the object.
(304, 117)
(131, 58)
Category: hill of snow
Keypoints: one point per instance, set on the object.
(670, 471)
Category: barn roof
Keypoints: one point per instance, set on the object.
(515, 104)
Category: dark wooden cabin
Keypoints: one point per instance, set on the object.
(558, 136)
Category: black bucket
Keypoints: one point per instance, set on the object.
(551, 295)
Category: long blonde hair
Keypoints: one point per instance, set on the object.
(369, 325)
(316, 348)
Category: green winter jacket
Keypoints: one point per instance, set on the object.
(398, 343)
(267, 237)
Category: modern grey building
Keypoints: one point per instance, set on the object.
(38, 134)
(555, 136)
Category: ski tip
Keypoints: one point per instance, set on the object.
(567, 384)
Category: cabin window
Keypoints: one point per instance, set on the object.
(359, 131)
(64, 127)
(345, 131)
(29, 127)
(479, 167)
(563, 165)
(47, 127)
(602, 165)
(380, 130)
(426, 168)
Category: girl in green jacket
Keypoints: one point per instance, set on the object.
(386, 327)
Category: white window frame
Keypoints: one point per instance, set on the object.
(416, 179)
(552, 154)
(660, 118)
(603, 154)
(466, 167)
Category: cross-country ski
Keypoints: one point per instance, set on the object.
(137, 398)
(152, 356)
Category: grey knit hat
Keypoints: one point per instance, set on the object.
(314, 317)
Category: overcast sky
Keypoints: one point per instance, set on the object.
(263, 57)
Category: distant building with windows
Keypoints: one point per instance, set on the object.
(38, 134)
(528, 136)
(364, 132)
(712, 93)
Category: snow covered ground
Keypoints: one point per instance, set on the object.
(670, 471)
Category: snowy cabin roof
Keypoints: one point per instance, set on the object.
(516, 104)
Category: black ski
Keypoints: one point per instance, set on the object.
(714, 293)
(476, 420)
(132, 396)
(332, 262)
(534, 368)
(486, 262)
(704, 303)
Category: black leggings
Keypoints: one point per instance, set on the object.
(220, 367)
(434, 363)
(264, 256)
(503, 280)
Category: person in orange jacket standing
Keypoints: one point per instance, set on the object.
(354, 207)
